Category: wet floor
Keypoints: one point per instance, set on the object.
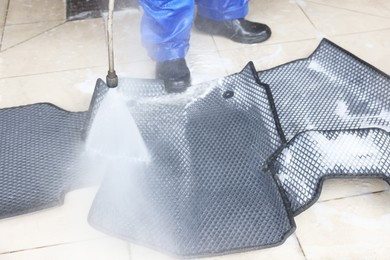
(44, 58)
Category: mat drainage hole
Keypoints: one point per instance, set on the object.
(228, 94)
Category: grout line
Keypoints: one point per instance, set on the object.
(73, 69)
(5, 21)
(34, 22)
(346, 9)
(48, 246)
(307, 16)
(270, 44)
(362, 32)
(220, 55)
(306, 39)
(300, 246)
(355, 195)
(52, 72)
(292, 41)
(33, 37)
(61, 22)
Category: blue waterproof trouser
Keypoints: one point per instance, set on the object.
(166, 24)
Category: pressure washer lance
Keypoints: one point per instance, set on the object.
(112, 78)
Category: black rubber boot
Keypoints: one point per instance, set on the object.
(238, 30)
(175, 73)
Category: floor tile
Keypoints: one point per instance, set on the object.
(372, 47)
(206, 66)
(267, 56)
(375, 7)
(140, 253)
(15, 34)
(350, 228)
(70, 90)
(339, 188)
(11, 93)
(3, 13)
(285, 18)
(31, 11)
(200, 42)
(98, 249)
(331, 21)
(288, 250)
(73, 45)
(1, 36)
(58, 225)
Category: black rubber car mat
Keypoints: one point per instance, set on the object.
(210, 188)
(340, 96)
(40, 145)
(330, 90)
(232, 160)
(204, 191)
(314, 156)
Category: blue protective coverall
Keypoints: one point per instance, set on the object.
(166, 24)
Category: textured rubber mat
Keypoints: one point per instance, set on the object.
(40, 144)
(204, 191)
(232, 163)
(314, 156)
(329, 91)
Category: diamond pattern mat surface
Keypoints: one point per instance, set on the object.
(335, 109)
(232, 160)
(217, 154)
(40, 144)
(330, 90)
(314, 156)
(204, 191)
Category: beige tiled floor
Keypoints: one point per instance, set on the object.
(43, 58)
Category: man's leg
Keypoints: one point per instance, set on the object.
(223, 10)
(226, 18)
(165, 29)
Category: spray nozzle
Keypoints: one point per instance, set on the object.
(112, 79)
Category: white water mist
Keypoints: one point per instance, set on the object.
(114, 133)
